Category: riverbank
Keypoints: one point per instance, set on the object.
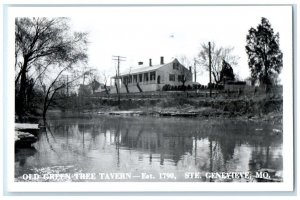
(267, 107)
(25, 134)
(264, 108)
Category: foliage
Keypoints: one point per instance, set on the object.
(168, 87)
(215, 86)
(264, 55)
(218, 54)
(84, 90)
(45, 50)
(226, 73)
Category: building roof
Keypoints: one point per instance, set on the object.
(138, 69)
(141, 69)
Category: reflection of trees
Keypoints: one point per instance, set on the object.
(117, 142)
(174, 141)
(227, 147)
(178, 146)
(222, 140)
(85, 127)
(153, 141)
(22, 154)
(49, 130)
(169, 140)
(262, 157)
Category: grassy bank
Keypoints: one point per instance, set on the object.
(263, 107)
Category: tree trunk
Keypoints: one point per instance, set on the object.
(21, 103)
(126, 86)
(44, 114)
(45, 107)
(106, 90)
(139, 87)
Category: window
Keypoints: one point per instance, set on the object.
(172, 77)
(130, 79)
(140, 77)
(125, 79)
(176, 66)
(146, 78)
(152, 76)
(134, 78)
(180, 78)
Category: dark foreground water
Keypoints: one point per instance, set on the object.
(113, 148)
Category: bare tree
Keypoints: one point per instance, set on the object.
(218, 54)
(185, 61)
(184, 76)
(56, 84)
(44, 45)
(104, 77)
(91, 76)
(95, 78)
(190, 62)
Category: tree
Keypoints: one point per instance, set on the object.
(184, 76)
(264, 55)
(104, 78)
(91, 75)
(189, 62)
(218, 54)
(45, 48)
(56, 84)
(226, 73)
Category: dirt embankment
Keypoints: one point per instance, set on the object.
(261, 108)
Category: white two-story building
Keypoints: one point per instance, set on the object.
(152, 77)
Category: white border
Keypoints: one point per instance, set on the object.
(12, 186)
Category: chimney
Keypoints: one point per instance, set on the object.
(140, 63)
(190, 68)
(150, 62)
(161, 60)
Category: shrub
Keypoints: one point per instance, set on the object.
(166, 87)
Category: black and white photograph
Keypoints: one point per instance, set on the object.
(154, 95)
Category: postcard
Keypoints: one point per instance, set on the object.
(149, 98)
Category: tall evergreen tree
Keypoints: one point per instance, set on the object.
(264, 54)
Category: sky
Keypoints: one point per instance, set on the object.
(141, 33)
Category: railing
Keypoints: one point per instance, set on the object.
(142, 83)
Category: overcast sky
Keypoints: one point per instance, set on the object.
(140, 33)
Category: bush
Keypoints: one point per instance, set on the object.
(181, 87)
(220, 87)
(166, 87)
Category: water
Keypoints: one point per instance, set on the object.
(152, 145)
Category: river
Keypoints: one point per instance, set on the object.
(147, 148)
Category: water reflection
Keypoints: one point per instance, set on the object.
(22, 154)
(148, 144)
